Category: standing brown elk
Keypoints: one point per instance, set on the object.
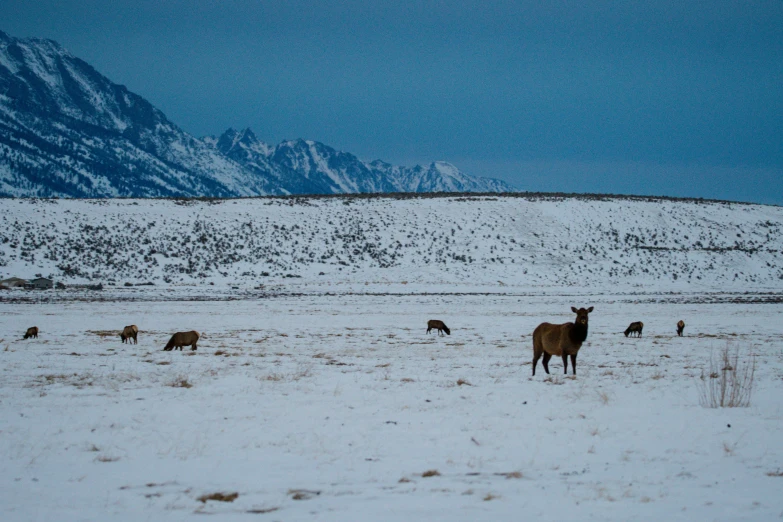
(560, 339)
(440, 326)
(180, 339)
(130, 332)
(31, 332)
(635, 328)
(680, 327)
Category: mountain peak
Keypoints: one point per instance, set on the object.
(68, 131)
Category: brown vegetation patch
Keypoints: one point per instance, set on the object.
(461, 382)
(220, 497)
(431, 473)
(180, 382)
(74, 379)
(105, 333)
(106, 458)
(511, 474)
(302, 494)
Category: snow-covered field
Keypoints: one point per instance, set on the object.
(318, 405)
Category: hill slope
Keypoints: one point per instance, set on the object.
(524, 241)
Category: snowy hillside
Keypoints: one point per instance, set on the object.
(68, 131)
(585, 242)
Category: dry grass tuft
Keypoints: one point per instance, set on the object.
(489, 497)
(511, 474)
(79, 380)
(220, 497)
(105, 333)
(461, 382)
(404, 480)
(604, 397)
(106, 458)
(180, 381)
(302, 494)
(777, 473)
(431, 473)
(729, 381)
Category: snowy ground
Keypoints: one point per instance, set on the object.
(332, 407)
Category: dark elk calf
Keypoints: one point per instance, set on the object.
(130, 332)
(31, 332)
(180, 339)
(680, 327)
(440, 326)
(561, 340)
(635, 328)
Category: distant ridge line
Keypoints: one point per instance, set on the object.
(536, 195)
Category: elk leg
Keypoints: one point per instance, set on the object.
(573, 363)
(545, 361)
(565, 364)
(536, 357)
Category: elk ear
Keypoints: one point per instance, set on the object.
(573, 309)
(589, 309)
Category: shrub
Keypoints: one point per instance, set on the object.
(729, 381)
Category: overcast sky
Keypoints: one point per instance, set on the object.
(679, 98)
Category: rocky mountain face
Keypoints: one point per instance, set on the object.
(68, 131)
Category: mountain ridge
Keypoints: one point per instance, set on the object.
(68, 131)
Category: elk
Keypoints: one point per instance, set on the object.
(180, 339)
(440, 326)
(680, 327)
(130, 332)
(31, 332)
(635, 328)
(560, 339)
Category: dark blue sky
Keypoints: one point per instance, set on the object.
(679, 98)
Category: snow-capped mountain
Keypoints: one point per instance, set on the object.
(309, 167)
(68, 131)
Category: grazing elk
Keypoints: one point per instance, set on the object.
(680, 327)
(440, 326)
(635, 328)
(130, 332)
(560, 339)
(180, 339)
(31, 332)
